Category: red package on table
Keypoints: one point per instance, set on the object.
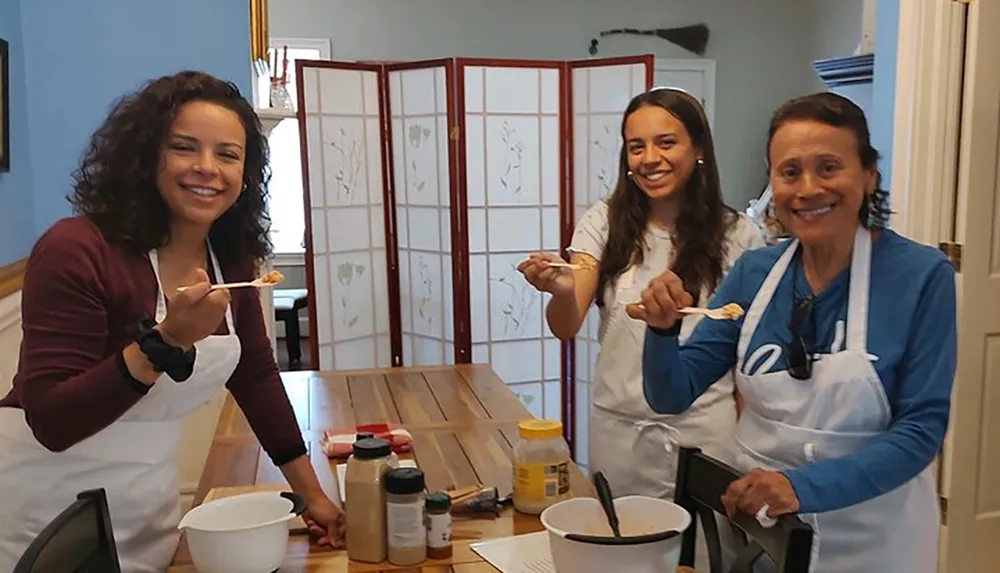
(339, 442)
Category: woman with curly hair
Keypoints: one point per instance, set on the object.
(170, 194)
(666, 211)
(845, 356)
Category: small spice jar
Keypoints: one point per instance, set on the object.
(404, 511)
(438, 525)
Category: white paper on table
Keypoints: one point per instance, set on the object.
(342, 473)
(519, 554)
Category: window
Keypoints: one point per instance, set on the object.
(285, 203)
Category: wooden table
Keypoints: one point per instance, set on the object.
(464, 424)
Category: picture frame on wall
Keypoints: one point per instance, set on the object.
(4, 106)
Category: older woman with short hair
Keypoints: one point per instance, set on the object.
(845, 356)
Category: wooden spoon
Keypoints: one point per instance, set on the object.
(730, 311)
(259, 282)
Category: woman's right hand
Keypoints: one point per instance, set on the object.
(659, 303)
(557, 281)
(194, 313)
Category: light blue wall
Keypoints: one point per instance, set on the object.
(17, 216)
(78, 57)
(884, 84)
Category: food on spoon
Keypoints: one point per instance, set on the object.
(273, 278)
(586, 262)
(732, 311)
(580, 263)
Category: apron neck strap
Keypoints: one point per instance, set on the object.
(857, 303)
(161, 302)
(763, 299)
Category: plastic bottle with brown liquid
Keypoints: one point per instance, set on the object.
(365, 500)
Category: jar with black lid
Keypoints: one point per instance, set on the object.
(365, 500)
(439, 525)
(404, 511)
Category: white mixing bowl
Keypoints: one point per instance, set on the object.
(241, 534)
(648, 543)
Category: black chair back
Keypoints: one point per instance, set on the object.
(701, 481)
(78, 540)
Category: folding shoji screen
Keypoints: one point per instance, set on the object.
(597, 94)
(423, 167)
(427, 182)
(511, 120)
(341, 118)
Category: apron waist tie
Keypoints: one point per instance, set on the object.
(128, 442)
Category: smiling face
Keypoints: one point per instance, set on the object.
(659, 151)
(818, 180)
(201, 163)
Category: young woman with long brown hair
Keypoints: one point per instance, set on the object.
(667, 211)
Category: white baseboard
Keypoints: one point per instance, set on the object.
(188, 491)
(187, 501)
(10, 339)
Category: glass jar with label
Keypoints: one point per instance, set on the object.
(404, 512)
(439, 525)
(541, 466)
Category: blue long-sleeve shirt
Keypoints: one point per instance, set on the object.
(911, 331)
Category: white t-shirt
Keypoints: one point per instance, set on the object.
(617, 383)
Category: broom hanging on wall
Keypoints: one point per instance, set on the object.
(691, 38)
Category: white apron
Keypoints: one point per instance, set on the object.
(788, 423)
(134, 460)
(633, 446)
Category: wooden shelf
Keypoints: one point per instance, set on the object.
(271, 117)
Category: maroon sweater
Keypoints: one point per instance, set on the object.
(82, 300)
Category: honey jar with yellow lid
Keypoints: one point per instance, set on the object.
(541, 466)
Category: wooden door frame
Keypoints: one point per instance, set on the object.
(926, 132)
(935, 166)
(969, 533)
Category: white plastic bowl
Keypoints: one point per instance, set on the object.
(241, 534)
(645, 523)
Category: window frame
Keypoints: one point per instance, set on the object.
(323, 45)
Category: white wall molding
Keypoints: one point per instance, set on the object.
(289, 259)
(10, 310)
(927, 119)
(10, 339)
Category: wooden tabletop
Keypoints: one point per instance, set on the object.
(464, 424)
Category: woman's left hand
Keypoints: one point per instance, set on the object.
(757, 489)
(326, 522)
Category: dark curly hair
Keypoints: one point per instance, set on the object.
(115, 184)
(703, 220)
(838, 111)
